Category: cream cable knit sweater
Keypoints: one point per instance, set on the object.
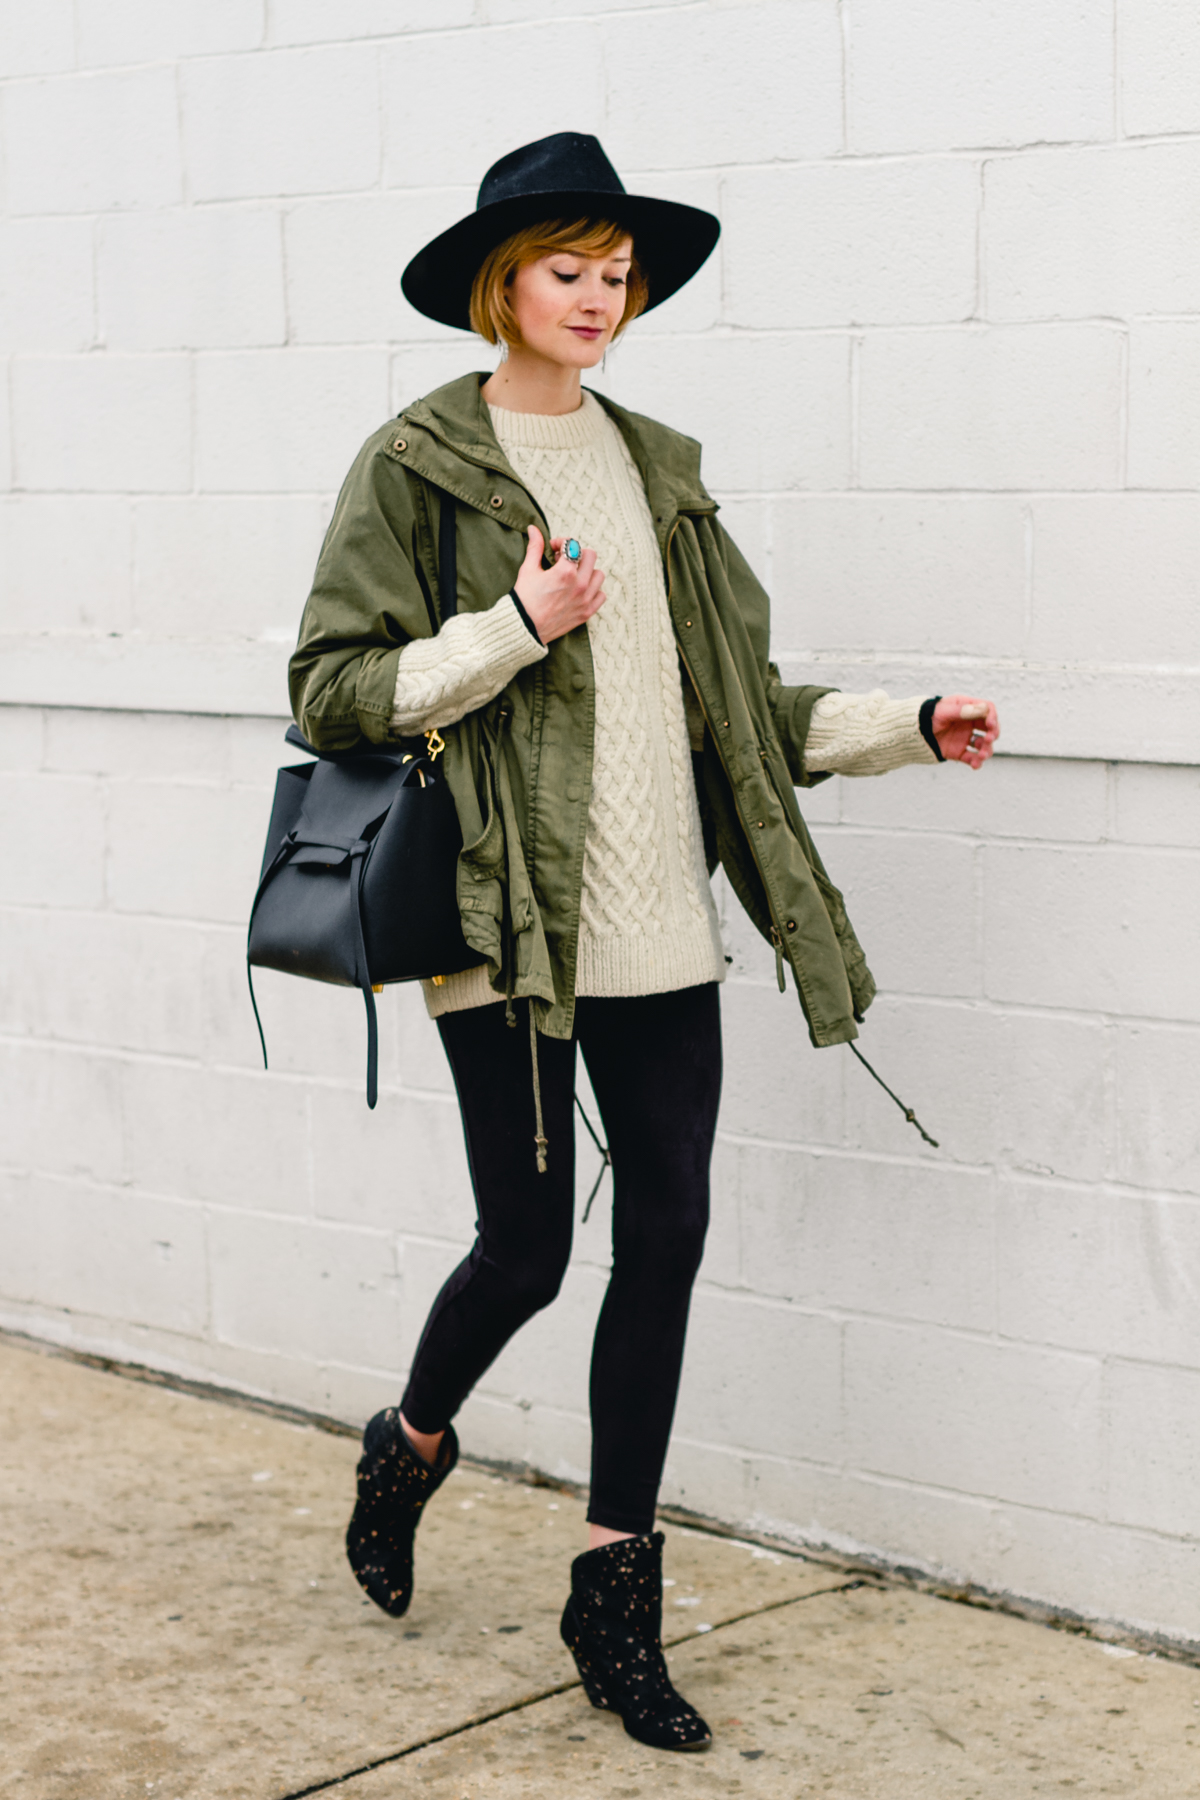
(647, 919)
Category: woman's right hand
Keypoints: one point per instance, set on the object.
(563, 596)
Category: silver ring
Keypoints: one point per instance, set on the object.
(975, 741)
(572, 550)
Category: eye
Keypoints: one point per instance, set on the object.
(615, 280)
(563, 277)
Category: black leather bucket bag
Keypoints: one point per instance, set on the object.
(358, 881)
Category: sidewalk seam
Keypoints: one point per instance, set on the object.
(552, 1693)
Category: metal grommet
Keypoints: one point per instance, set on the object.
(497, 499)
(761, 823)
(724, 724)
(791, 924)
(687, 622)
(400, 444)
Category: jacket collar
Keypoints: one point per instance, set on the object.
(458, 450)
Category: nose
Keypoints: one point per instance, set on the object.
(594, 298)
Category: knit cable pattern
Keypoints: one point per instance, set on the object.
(647, 918)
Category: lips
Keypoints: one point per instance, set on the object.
(588, 332)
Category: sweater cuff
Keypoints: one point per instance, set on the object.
(441, 679)
(925, 721)
(528, 623)
(502, 642)
(865, 734)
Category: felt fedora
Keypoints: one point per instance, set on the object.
(564, 177)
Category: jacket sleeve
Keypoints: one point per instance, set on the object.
(367, 603)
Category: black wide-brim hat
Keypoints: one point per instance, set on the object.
(565, 177)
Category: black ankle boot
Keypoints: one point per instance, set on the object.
(613, 1628)
(393, 1485)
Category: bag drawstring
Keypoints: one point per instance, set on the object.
(540, 1139)
(908, 1112)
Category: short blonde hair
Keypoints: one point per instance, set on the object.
(492, 313)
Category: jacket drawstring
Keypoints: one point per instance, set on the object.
(540, 1139)
(908, 1112)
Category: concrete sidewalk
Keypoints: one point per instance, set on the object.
(179, 1622)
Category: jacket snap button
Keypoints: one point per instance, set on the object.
(578, 682)
(572, 790)
(687, 622)
(497, 500)
(400, 444)
(760, 823)
(724, 724)
(791, 924)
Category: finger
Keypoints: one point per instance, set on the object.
(585, 566)
(537, 547)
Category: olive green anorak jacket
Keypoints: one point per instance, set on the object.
(520, 768)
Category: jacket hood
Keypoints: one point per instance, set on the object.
(459, 426)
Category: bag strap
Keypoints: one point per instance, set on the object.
(358, 858)
(282, 855)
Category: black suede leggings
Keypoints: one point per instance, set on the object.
(655, 1067)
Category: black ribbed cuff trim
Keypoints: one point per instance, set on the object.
(528, 623)
(925, 721)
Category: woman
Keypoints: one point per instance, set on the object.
(613, 729)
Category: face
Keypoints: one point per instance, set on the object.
(567, 306)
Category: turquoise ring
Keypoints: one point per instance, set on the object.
(573, 550)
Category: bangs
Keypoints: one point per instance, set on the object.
(491, 292)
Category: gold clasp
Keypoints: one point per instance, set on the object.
(435, 743)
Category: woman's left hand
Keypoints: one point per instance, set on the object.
(966, 729)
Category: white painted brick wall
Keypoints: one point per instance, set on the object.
(1091, 232)
(1023, 406)
(104, 424)
(88, 143)
(38, 40)
(1003, 72)
(65, 562)
(197, 278)
(1160, 66)
(880, 243)
(268, 421)
(1164, 421)
(782, 106)
(137, 31)
(46, 284)
(293, 122)
(945, 364)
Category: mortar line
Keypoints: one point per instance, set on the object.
(552, 1693)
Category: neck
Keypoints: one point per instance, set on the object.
(525, 382)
